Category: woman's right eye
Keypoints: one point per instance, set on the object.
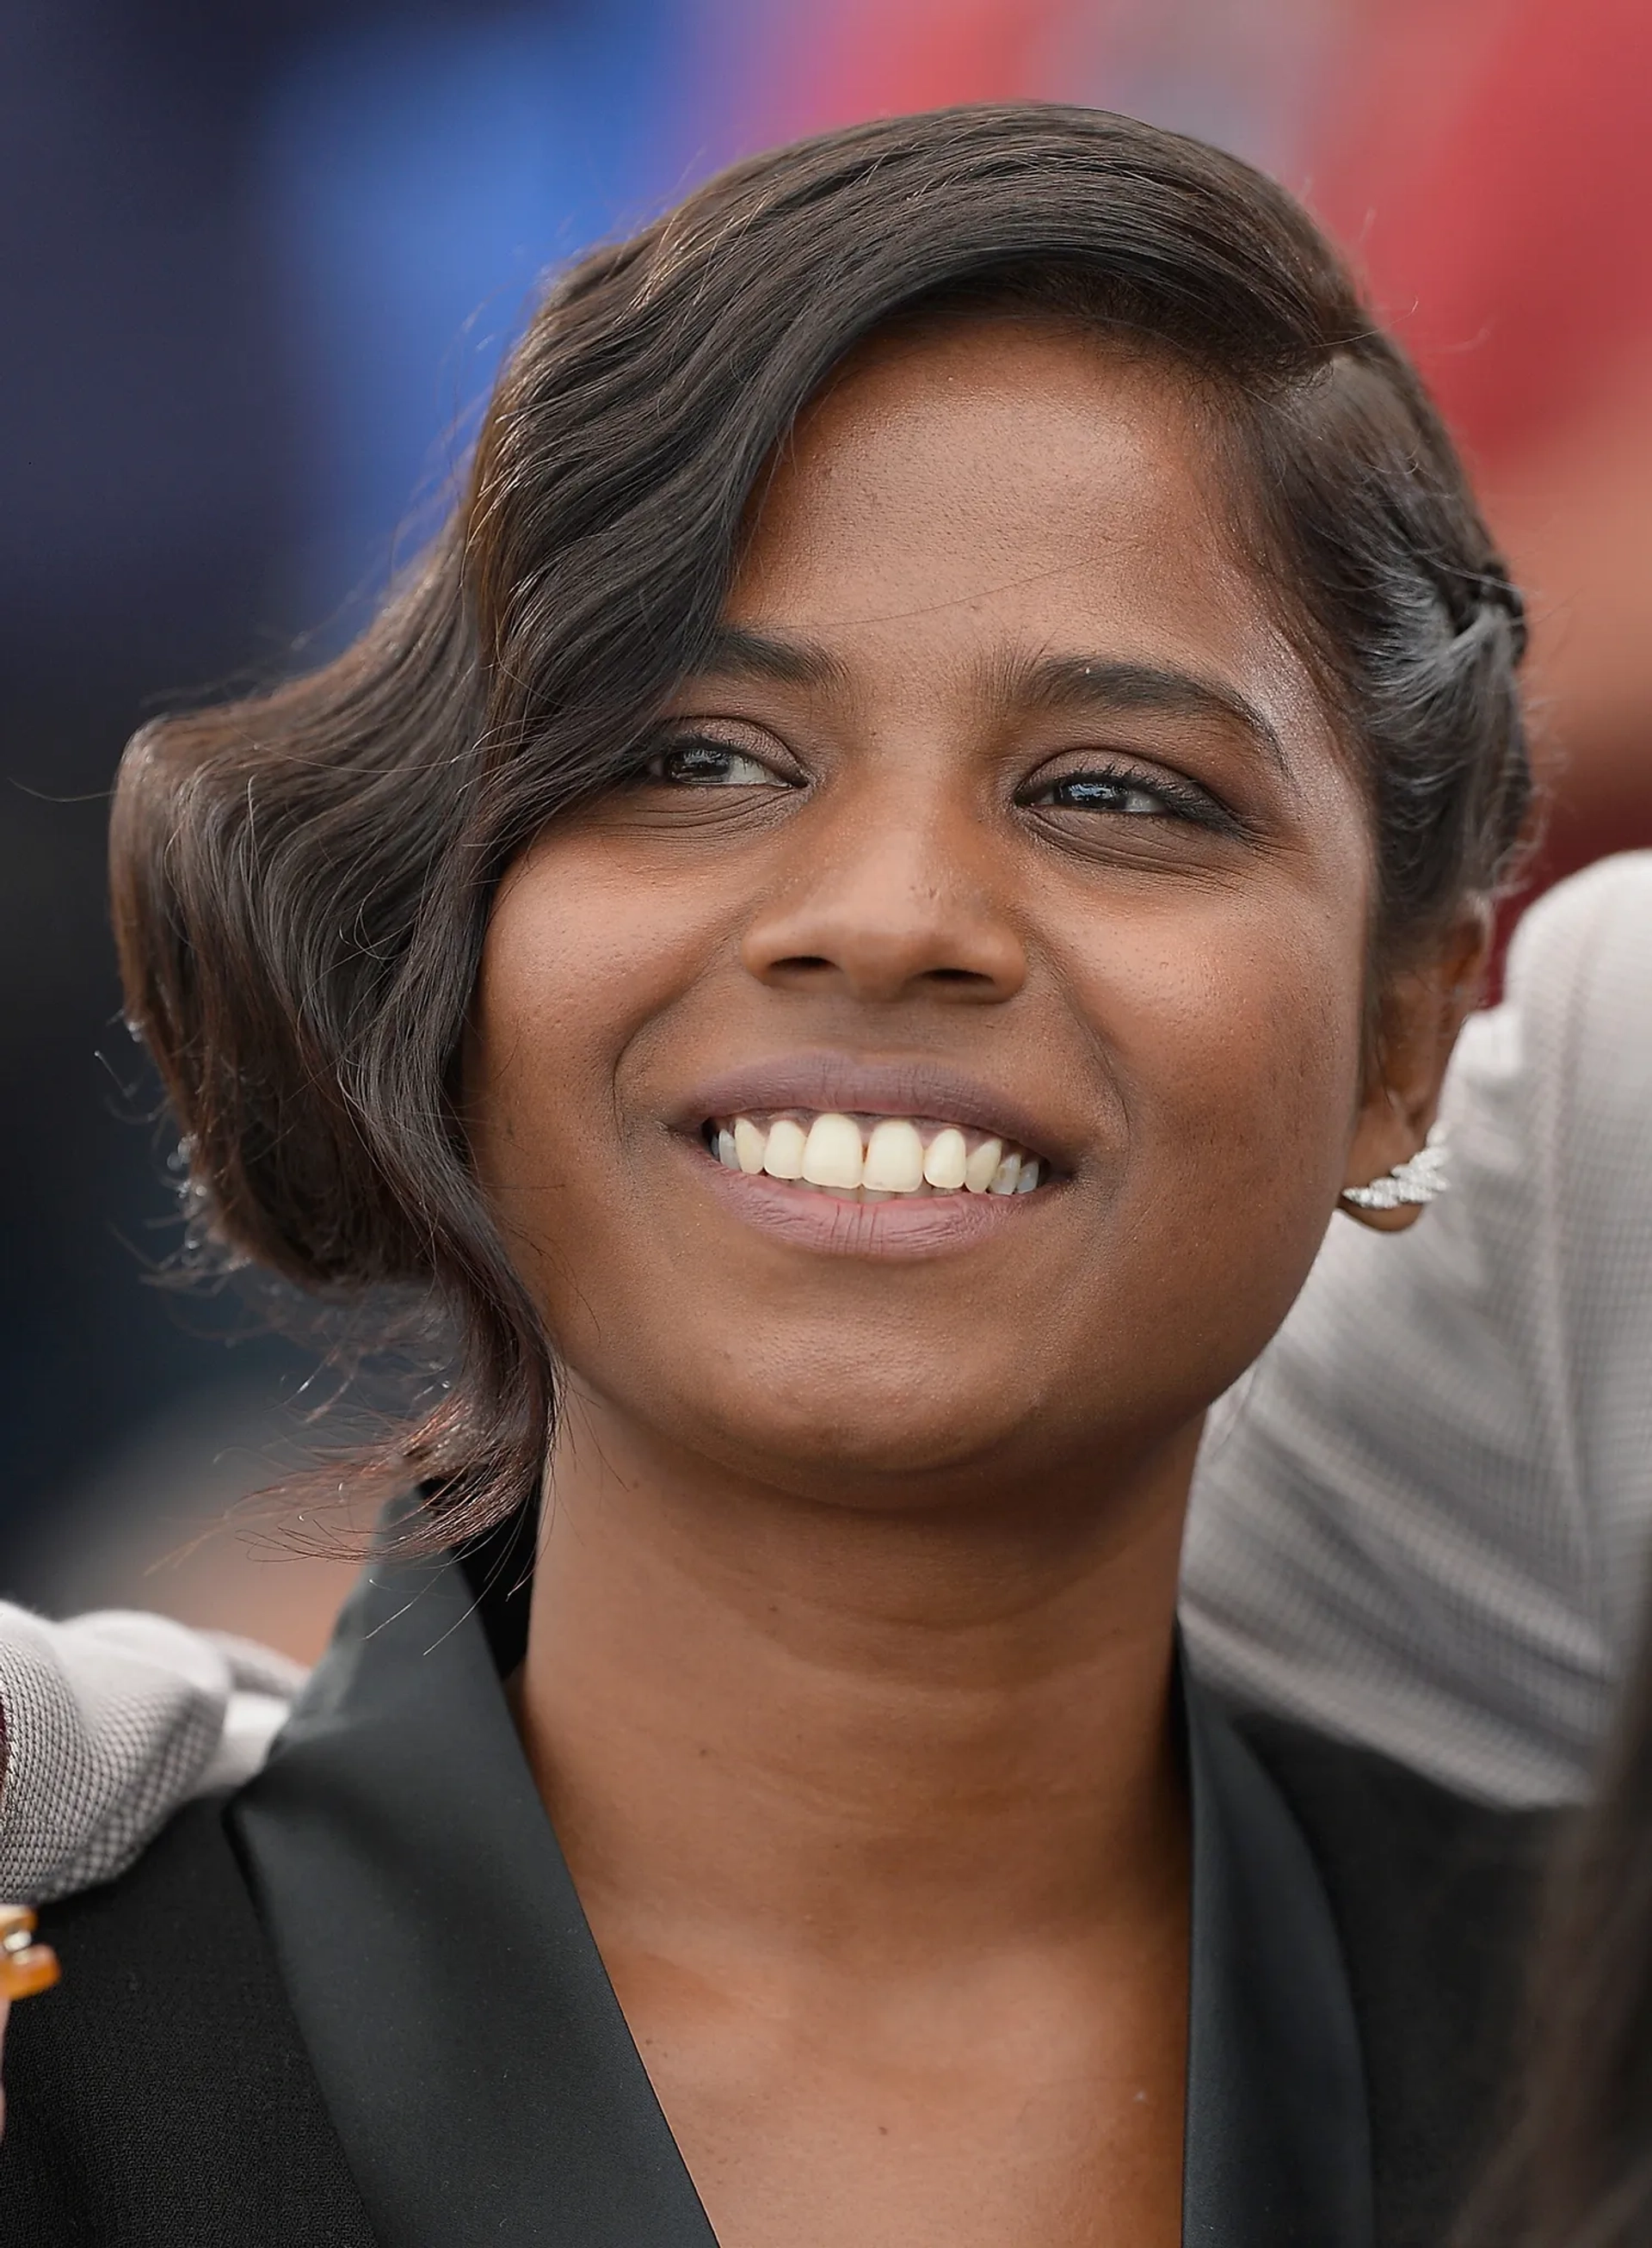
(702, 763)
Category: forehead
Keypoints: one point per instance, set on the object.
(982, 487)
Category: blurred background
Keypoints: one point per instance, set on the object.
(259, 263)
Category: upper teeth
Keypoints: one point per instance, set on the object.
(887, 1155)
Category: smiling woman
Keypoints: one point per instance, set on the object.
(933, 811)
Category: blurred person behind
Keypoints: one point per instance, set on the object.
(1424, 1516)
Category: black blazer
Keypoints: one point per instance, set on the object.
(167, 2096)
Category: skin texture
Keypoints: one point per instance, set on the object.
(847, 1682)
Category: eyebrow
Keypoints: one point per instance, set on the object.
(1081, 682)
(734, 653)
(1045, 682)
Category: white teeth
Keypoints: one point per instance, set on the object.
(828, 1157)
(831, 1152)
(982, 1168)
(782, 1157)
(947, 1158)
(894, 1158)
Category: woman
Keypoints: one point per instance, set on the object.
(929, 817)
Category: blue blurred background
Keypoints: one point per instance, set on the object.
(258, 265)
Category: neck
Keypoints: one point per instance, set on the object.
(862, 1735)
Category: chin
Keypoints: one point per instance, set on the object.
(854, 1444)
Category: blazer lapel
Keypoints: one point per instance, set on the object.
(1278, 2151)
(470, 2048)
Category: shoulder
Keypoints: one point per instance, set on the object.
(162, 2095)
(1433, 1896)
(1587, 944)
(108, 1721)
(1560, 1070)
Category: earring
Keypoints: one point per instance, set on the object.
(1421, 1179)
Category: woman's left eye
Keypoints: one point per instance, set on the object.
(1128, 792)
(702, 763)
(1097, 792)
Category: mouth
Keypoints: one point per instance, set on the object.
(859, 1157)
(862, 1156)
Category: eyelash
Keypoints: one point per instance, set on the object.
(1180, 799)
(708, 746)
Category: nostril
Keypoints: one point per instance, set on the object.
(957, 975)
(801, 960)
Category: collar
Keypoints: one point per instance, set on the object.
(470, 2048)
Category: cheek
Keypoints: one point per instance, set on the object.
(1275, 1013)
(1233, 1056)
(1235, 1029)
(575, 963)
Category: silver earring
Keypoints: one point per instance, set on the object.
(1421, 1179)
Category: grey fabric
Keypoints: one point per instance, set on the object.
(107, 1723)
(1421, 1522)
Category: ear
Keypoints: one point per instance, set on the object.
(1418, 1013)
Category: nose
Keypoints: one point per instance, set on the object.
(889, 904)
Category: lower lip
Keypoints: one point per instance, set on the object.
(916, 1225)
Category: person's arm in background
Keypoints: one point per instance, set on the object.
(108, 1722)
(1423, 1522)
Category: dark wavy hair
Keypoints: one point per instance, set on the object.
(302, 879)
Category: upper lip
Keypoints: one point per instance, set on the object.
(913, 1086)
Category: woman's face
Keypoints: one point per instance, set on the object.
(1005, 814)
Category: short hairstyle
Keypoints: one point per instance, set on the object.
(302, 879)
